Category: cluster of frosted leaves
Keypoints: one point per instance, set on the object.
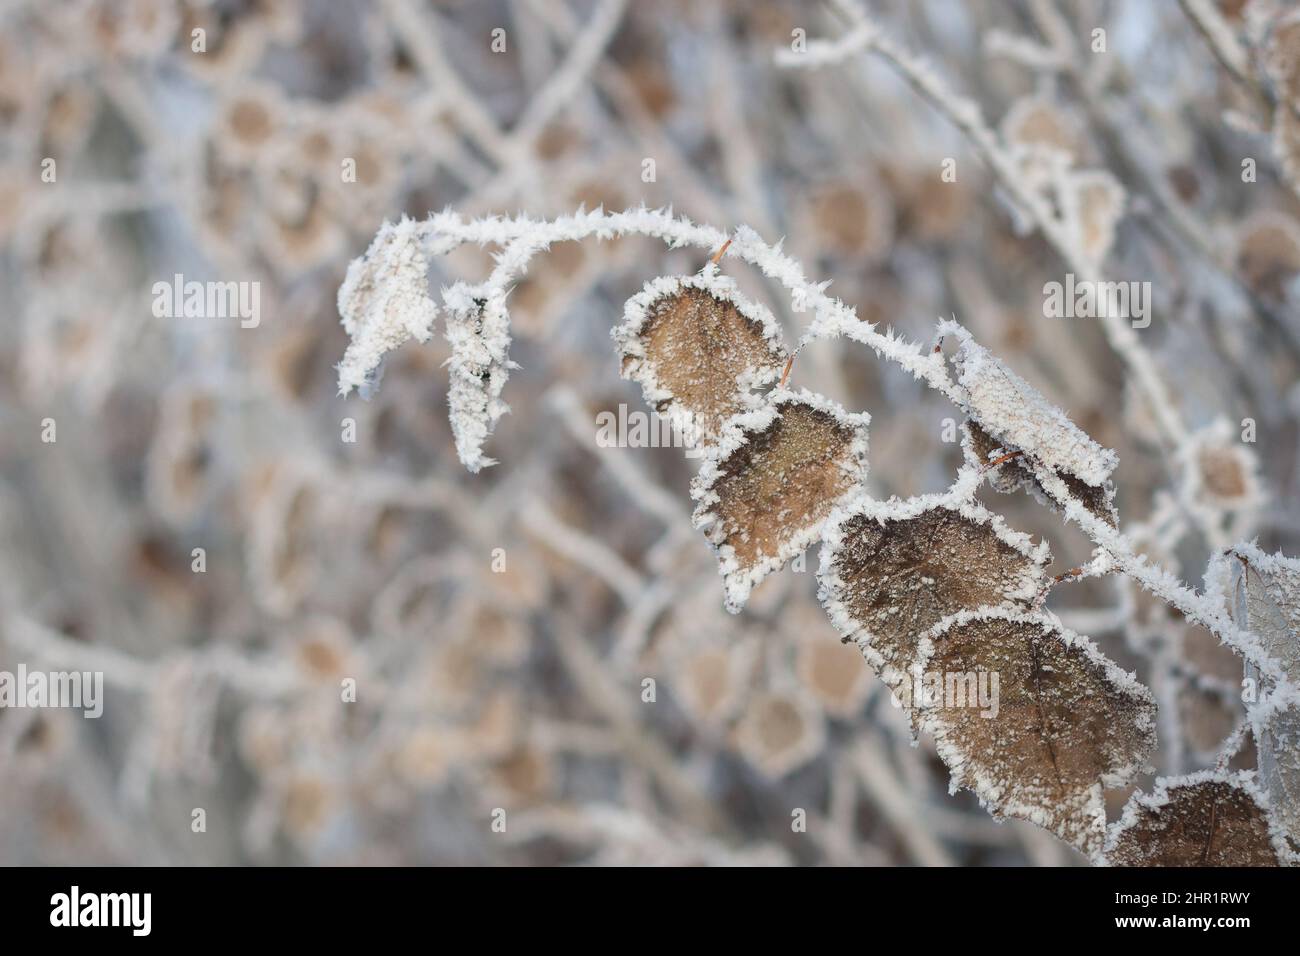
(765, 490)
(699, 350)
(1069, 722)
(1205, 819)
(890, 571)
(1008, 415)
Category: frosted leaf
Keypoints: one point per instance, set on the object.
(698, 350)
(853, 218)
(1266, 599)
(779, 732)
(892, 570)
(1222, 472)
(1286, 143)
(1267, 588)
(1205, 819)
(1278, 746)
(1068, 721)
(1013, 414)
(1043, 146)
(835, 675)
(478, 330)
(1036, 123)
(1282, 58)
(768, 486)
(384, 300)
(1016, 414)
(1268, 253)
(711, 678)
(980, 448)
(1093, 203)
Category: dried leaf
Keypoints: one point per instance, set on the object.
(1268, 253)
(1222, 472)
(1036, 123)
(479, 333)
(711, 678)
(1282, 57)
(1268, 589)
(1094, 204)
(384, 300)
(1282, 63)
(890, 571)
(980, 448)
(835, 675)
(779, 732)
(1018, 417)
(1267, 600)
(1286, 143)
(699, 350)
(1205, 819)
(1068, 722)
(1008, 415)
(765, 491)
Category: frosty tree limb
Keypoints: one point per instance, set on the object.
(382, 306)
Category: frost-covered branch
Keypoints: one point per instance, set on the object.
(382, 316)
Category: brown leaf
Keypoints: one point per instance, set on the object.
(1066, 721)
(766, 490)
(981, 448)
(779, 732)
(1020, 418)
(1201, 820)
(699, 350)
(888, 575)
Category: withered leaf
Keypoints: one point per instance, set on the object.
(699, 350)
(779, 732)
(889, 574)
(1019, 418)
(1066, 721)
(765, 491)
(1097, 202)
(1268, 596)
(981, 448)
(1205, 819)
(1267, 600)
